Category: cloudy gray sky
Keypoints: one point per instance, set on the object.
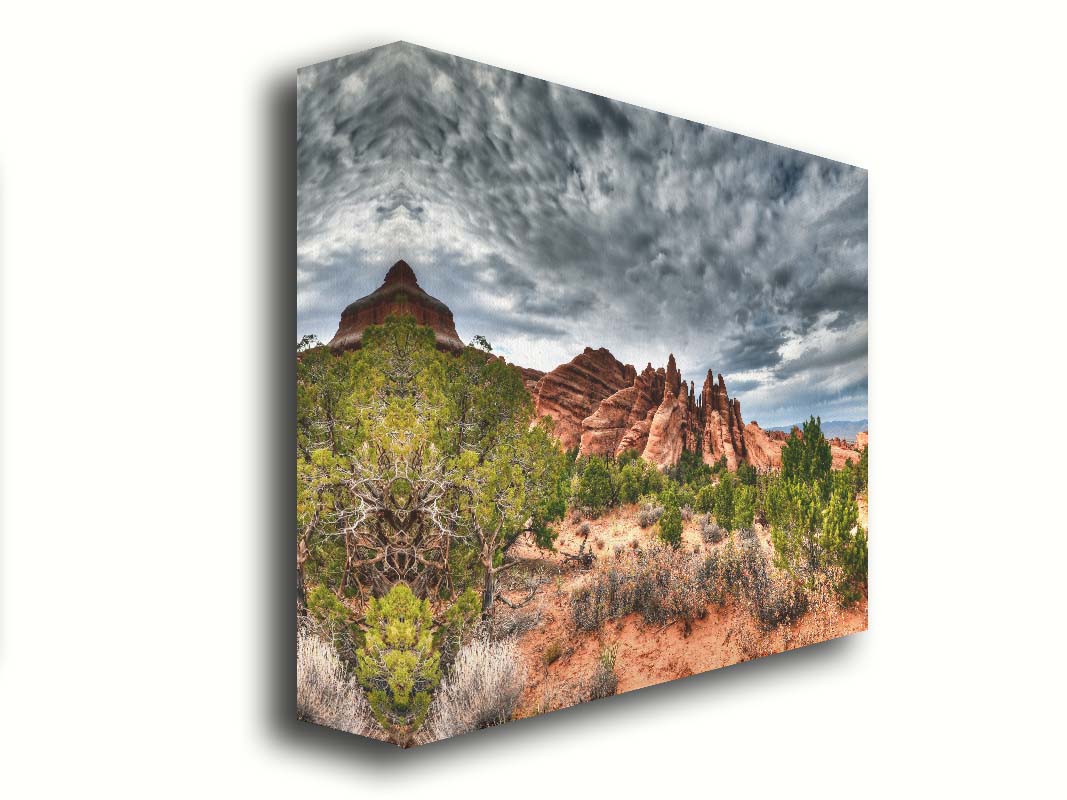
(550, 219)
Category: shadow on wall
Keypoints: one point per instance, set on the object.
(278, 510)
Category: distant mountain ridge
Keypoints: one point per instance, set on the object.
(839, 428)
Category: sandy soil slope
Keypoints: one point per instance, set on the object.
(646, 654)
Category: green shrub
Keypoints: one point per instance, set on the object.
(746, 474)
(724, 501)
(744, 511)
(807, 457)
(398, 665)
(810, 535)
(690, 469)
(670, 523)
(594, 490)
(630, 483)
(460, 621)
(705, 499)
(334, 620)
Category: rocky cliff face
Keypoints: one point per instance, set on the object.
(399, 294)
(570, 392)
(724, 430)
(657, 414)
(660, 415)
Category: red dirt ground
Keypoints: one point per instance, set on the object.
(646, 654)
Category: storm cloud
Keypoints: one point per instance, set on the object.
(550, 219)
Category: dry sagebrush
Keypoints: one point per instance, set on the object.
(325, 693)
(482, 689)
(665, 585)
(649, 515)
(661, 583)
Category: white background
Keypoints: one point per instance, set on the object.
(146, 219)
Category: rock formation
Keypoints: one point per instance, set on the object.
(530, 377)
(763, 449)
(600, 405)
(659, 415)
(724, 430)
(570, 392)
(622, 421)
(667, 432)
(399, 294)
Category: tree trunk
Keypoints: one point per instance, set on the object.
(488, 589)
(301, 595)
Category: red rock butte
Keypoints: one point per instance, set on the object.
(399, 294)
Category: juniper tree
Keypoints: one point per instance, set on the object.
(670, 521)
(398, 665)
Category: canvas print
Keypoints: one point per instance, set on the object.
(536, 329)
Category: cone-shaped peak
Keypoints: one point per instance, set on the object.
(401, 274)
(399, 295)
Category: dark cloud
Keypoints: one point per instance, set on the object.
(551, 219)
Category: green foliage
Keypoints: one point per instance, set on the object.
(670, 522)
(746, 474)
(810, 534)
(398, 665)
(684, 495)
(861, 472)
(852, 557)
(654, 480)
(333, 618)
(406, 450)
(807, 457)
(630, 483)
(744, 511)
(636, 478)
(325, 417)
(723, 507)
(460, 620)
(594, 491)
(796, 534)
(843, 547)
(705, 499)
(690, 469)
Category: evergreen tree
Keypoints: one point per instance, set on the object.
(744, 511)
(595, 491)
(705, 499)
(670, 522)
(724, 501)
(806, 457)
(746, 474)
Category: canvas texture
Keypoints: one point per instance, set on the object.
(536, 328)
